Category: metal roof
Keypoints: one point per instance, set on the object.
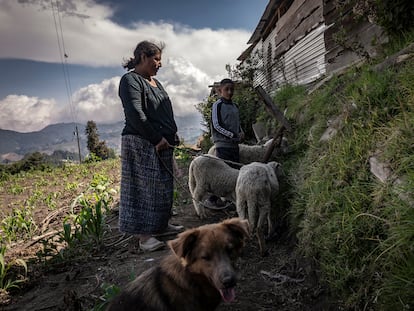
(264, 20)
(260, 28)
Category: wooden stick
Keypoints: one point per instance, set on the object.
(274, 110)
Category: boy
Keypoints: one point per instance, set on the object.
(225, 123)
(226, 130)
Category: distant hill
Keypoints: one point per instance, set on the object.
(62, 136)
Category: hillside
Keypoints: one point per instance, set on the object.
(351, 181)
(61, 136)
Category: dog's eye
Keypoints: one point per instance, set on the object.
(206, 257)
(231, 251)
(230, 248)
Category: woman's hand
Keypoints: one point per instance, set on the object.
(162, 145)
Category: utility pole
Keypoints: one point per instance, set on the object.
(77, 137)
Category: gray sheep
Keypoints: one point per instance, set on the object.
(252, 153)
(256, 189)
(210, 175)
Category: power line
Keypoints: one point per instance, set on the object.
(63, 59)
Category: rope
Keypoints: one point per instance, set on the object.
(222, 160)
(213, 157)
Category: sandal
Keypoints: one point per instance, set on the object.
(151, 244)
(170, 230)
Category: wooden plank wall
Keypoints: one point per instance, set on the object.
(298, 47)
(358, 33)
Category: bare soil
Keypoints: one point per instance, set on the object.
(283, 280)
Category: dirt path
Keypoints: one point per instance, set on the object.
(280, 281)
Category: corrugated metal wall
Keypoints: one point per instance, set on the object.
(303, 63)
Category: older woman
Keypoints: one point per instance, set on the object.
(148, 138)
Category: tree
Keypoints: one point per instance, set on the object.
(95, 146)
(249, 106)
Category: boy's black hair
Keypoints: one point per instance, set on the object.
(225, 81)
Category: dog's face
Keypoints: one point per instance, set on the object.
(209, 253)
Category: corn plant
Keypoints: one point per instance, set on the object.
(86, 226)
(49, 250)
(67, 235)
(19, 224)
(100, 189)
(16, 189)
(86, 221)
(50, 200)
(91, 220)
(71, 186)
(36, 195)
(7, 279)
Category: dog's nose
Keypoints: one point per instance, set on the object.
(228, 279)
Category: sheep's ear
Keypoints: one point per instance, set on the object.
(184, 244)
(277, 168)
(239, 227)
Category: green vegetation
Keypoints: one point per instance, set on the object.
(19, 224)
(359, 229)
(249, 105)
(88, 223)
(110, 291)
(65, 211)
(8, 278)
(33, 199)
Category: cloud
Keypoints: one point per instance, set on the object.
(98, 102)
(186, 85)
(26, 114)
(192, 60)
(92, 39)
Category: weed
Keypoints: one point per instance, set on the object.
(182, 155)
(110, 291)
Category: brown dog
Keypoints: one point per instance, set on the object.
(195, 276)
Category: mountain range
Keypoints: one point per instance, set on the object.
(62, 136)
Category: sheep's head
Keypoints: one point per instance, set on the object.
(277, 168)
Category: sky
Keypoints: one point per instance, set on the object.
(39, 85)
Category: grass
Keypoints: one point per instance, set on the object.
(359, 229)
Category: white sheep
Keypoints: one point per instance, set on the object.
(256, 189)
(255, 153)
(210, 175)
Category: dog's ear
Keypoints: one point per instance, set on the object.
(184, 244)
(239, 227)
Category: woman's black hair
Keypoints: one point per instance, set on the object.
(147, 48)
